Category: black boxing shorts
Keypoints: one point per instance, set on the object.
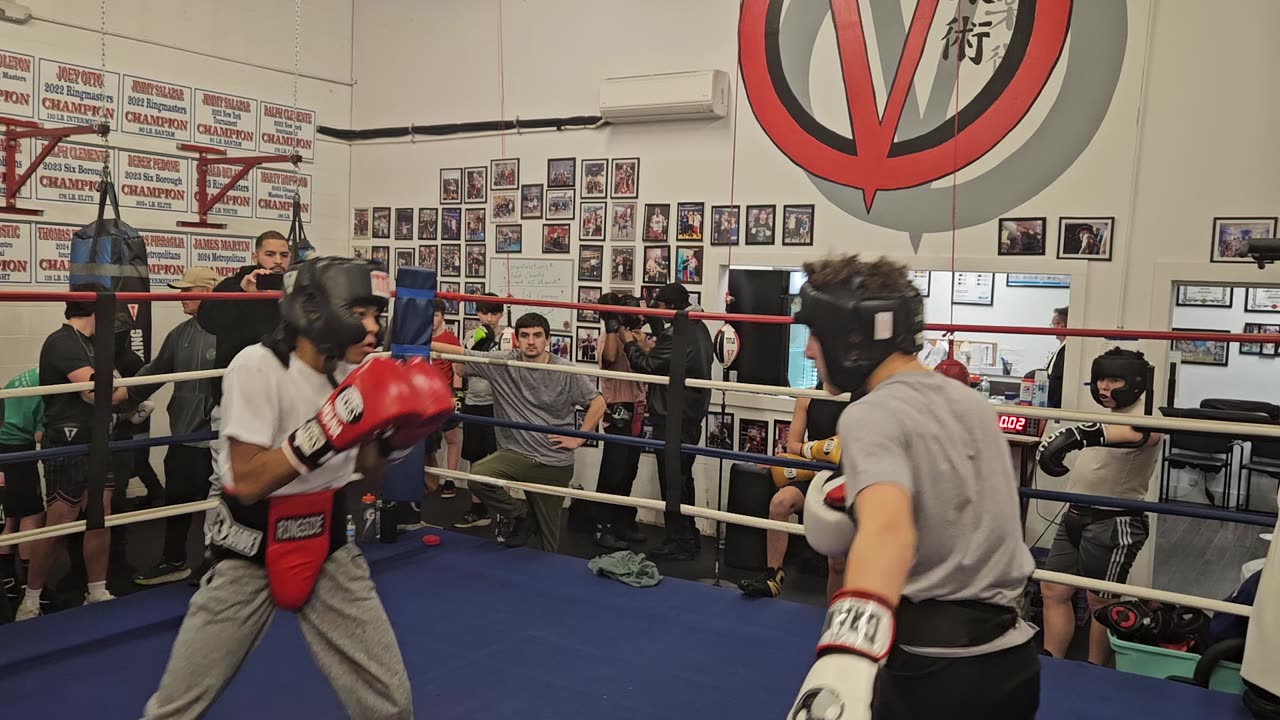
(67, 477)
(478, 441)
(292, 536)
(21, 482)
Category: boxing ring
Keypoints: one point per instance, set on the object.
(489, 631)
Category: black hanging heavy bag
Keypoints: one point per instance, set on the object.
(111, 254)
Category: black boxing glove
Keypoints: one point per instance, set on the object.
(611, 322)
(1055, 448)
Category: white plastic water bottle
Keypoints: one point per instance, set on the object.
(351, 531)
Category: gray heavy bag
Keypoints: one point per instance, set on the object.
(108, 252)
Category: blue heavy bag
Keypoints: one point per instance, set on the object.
(110, 254)
(411, 324)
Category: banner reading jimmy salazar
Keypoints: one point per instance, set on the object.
(53, 253)
(71, 173)
(226, 121)
(157, 109)
(74, 95)
(275, 194)
(283, 129)
(17, 84)
(23, 160)
(153, 182)
(15, 252)
(236, 203)
(224, 254)
(167, 254)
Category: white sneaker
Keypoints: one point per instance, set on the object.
(103, 596)
(26, 612)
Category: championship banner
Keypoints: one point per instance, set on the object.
(226, 121)
(226, 255)
(153, 182)
(275, 194)
(17, 84)
(156, 109)
(236, 203)
(283, 130)
(167, 256)
(75, 95)
(24, 158)
(15, 252)
(71, 173)
(53, 253)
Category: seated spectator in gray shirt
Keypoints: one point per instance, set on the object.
(537, 397)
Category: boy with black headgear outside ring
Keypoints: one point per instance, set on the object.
(301, 412)
(1113, 461)
(925, 509)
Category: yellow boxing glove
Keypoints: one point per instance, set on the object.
(823, 450)
(784, 476)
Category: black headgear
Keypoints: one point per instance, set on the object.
(1128, 365)
(674, 295)
(858, 330)
(320, 293)
(630, 322)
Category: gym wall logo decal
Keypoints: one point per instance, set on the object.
(899, 142)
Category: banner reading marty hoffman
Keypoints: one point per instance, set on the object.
(881, 112)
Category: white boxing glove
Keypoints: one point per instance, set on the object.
(856, 638)
(143, 411)
(828, 526)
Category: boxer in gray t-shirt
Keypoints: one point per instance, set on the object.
(924, 507)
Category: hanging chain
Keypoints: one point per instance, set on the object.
(297, 54)
(102, 96)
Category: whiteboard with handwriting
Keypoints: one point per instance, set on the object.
(536, 279)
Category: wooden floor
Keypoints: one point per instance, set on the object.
(1203, 557)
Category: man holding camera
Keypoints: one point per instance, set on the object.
(615, 525)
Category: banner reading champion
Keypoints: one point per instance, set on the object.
(226, 121)
(238, 202)
(284, 130)
(71, 173)
(166, 256)
(225, 255)
(157, 109)
(15, 252)
(276, 189)
(74, 95)
(153, 182)
(17, 84)
(53, 253)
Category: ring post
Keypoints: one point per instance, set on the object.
(411, 324)
(104, 333)
(675, 419)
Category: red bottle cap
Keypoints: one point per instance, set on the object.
(368, 497)
(430, 539)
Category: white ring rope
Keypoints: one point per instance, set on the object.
(40, 390)
(78, 526)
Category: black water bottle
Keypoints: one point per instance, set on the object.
(387, 521)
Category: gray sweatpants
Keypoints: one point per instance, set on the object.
(343, 623)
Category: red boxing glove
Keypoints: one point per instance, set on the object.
(378, 395)
(436, 398)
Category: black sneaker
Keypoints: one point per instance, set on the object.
(521, 530)
(674, 550)
(630, 534)
(165, 572)
(501, 529)
(768, 585)
(448, 489)
(604, 537)
(474, 518)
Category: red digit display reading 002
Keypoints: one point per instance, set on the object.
(1013, 423)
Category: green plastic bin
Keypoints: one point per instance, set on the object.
(1161, 663)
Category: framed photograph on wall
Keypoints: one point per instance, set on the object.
(509, 238)
(1258, 299)
(451, 261)
(753, 436)
(382, 223)
(562, 173)
(561, 345)
(591, 263)
(595, 179)
(362, 252)
(593, 221)
(451, 186)
(1219, 296)
(429, 257)
(531, 202)
(504, 174)
(760, 224)
(475, 225)
(404, 257)
(1086, 238)
(797, 224)
(1202, 352)
(689, 264)
(657, 222)
(689, 220)
(657, 264)
(475, 261)
(622, 222)
(1021, 236)
(724, 224)
(451, 307)
(579, 417)
(555, 238)
(504, 206)
(626, 178)
(428, 223)
(589, 295)
(1263, 349)
(471, 288)
(451, 223)
(720, 430)
(404, 224)
(359, 223)
(622, 265)
(973, 288)
(1231, 236)
(381, 254)
(560, 204)
(477, 184)
(647, 293)
(695, 297)
(451, 326)
(588, 345)
(781, 435)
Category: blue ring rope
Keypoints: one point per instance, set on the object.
(73, 450)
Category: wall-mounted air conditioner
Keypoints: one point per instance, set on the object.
(691, 95)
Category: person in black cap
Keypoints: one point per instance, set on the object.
(681, 541)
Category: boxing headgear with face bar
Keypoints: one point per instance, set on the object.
(858, 330)
(321, 294)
